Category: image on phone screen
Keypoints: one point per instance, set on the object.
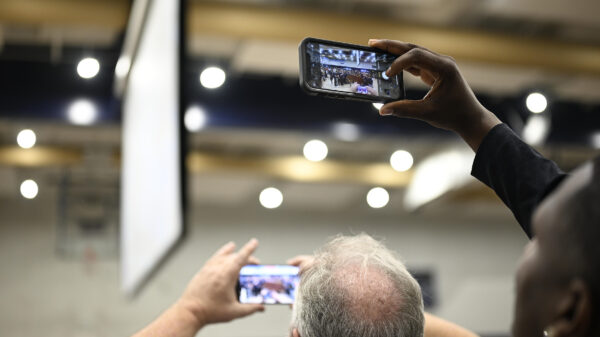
(268, 284)
(349, 70)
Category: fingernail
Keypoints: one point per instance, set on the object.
(385, 111)
(388, 71)
(371, 41)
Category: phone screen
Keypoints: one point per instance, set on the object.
(268, 284)
(348, 70)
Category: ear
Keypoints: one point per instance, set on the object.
(574, 311)
(295, 332)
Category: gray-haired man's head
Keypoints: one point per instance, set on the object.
(356, 287)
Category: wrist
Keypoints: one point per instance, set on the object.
(190, 313)
(475, 131)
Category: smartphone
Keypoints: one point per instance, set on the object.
(348, 71)
(268, 284)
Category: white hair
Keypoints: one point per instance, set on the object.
(356, 287)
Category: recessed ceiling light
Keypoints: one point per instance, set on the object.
(212, 77)
(270, 198)
(29, 189)
(378, 197)
(26, 138)
(88, 67)
(401, 160)
(315, 150)
(536, 102)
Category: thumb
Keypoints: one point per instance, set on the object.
(404, 108)
(248, 309)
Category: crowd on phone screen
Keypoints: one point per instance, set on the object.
(340, 76)
(273, 289)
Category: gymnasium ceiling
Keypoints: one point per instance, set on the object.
(505, 48)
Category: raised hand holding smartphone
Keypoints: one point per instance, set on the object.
(450, 103)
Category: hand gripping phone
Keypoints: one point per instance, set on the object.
(348, 71)
(268, 284)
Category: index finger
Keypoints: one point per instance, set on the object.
(417, 58)
(244, 254)
(227, 248)
(395, 47)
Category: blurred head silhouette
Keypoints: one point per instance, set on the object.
(558, 281)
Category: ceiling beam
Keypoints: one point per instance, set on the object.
(39, 156)
(297, 168)
(292, 25)
(108, 14)
(291, 168)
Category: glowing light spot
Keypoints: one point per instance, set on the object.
(212, 77)
(26, 138)
(536, 102)
(315, 150)
(29, 189)
(270, 198)
(378, 197)
(88, 67)
(401, 160)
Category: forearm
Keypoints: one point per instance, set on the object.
(437, 327)
(209, 297)
(519, 175)
(177, 321)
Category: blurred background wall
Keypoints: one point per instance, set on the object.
(59, 249)
(470, 259)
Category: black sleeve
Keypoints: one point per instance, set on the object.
(519, 175)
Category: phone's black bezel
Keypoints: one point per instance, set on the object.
(238, 286)
(305, 67)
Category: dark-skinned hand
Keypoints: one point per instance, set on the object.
(450, 103)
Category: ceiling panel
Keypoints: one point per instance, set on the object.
(225, 189)
(321, 196)
(574, 12)
(583, 89)
(266, 57)
(8, 177)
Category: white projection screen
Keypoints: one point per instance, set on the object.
(148, 79)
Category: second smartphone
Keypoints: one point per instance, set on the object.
(268, 284)
(347, 71)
